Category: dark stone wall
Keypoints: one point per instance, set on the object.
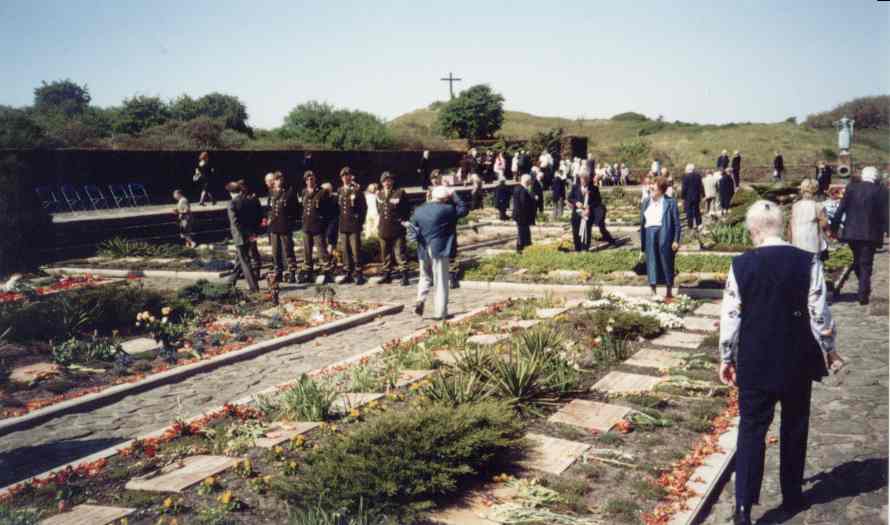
(163, 171)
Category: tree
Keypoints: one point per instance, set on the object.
(476, 113)
(321, 124)
(550, 140)
(63, 96)
(140, 113)
(18, 130)
(228, 108)
(868, 112)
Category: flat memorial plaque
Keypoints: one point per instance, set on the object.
(445, 356)
(550, 313)
(700, 324)
(624, 383)
(346, 402)
(709, 309)
(553, 455)
(195, 470)
(522, 324)
(679, 340)
(590, 415)
(282, 431)
(653, 358)
(89, 515)
(486, 339)
(406, 377)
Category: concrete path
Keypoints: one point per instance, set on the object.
(70, 437)
(845, 481)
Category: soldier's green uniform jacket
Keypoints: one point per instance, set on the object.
(393, 208)
(353, 209)
(317, 205)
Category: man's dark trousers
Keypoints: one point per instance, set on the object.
(863, 264)
(394, 253)
(756, 408)
(524, 237)
(283, 249)
(243, 267)
(693, 213)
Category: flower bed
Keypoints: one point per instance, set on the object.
(67, 348)
(419, 447)
(31, 288)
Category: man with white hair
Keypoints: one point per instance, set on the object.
(525, 211)
(723, 160)
(692, 190)
(434, 227)
(709, 183)
(773, 348)
(865, 207)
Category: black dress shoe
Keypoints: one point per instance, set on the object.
(405, 280)
(347, 280)
(863, 301)
(455, 283)
(386, 279)
(418, 309)
(328, 279)
(290, 278)
(742, 516)
(359, 280)
(792, 507)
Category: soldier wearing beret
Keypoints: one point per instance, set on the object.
(393, 208)
(353, 208)
(318, 205)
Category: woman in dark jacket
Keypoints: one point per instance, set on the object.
(202, 178)
(660, 231)
(726, 189)
(587, 208)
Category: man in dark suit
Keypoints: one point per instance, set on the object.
(524, 212)
(773, 349)
(823, 177)
(423, 171)
(393, 209)
(588, 210)
(558, 192)
(723, 161)
(736, 165)
(693, 190)
(243, 223)
(502, 198)
(353, 210)
(319, 207)
(864, 227)
(778, 166)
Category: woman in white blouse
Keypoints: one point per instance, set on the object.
(808, 220)
(660, 231)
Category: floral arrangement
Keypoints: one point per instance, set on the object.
(164, 331)
(21, 290)
(668, 314)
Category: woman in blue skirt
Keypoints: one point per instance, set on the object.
(660, 231)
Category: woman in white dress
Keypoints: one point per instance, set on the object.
(372, 219)
(809, 221)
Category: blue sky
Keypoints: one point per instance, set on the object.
(693, 61)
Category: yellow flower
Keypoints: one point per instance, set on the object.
(354, 412)
(168, 503)
(211, 481)
(298, 442)
(124, 521)
(165, 311)
(226, 497)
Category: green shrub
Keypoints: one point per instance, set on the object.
(203, 290)
(316, 515)
(120, 247)
(306, 400)
(731, 234)
(630, 116)
(11, 516)
(839, 259)
(623, 324)
(321, 124)
(398, 463)
(80, 351)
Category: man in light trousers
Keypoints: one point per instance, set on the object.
(434, 227)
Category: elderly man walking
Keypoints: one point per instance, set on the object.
(773, 348)
(693, 190)
(524, 212)
(434, 228)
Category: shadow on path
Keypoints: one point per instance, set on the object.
(23, 462)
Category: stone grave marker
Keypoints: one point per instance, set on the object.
(709, 309)
(406, 377)
(166, 260)
(679, 340)
(195, 469)
(282, 431)
(486, 339)
(28, 373)
(96, 259)
(700, 324)
(446, 356)
(346, 402)
(553, 455)
(549, 313)
(139, 345)
(89, 515)
(590, 415)
(654, 358)
(522, 324)
(131, 259)
(623, 383)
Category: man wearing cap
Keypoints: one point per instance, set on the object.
(283, 213)
(434, 227)
(353, 209)
(318, 206)
(394, 209)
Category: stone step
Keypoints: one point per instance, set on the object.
(679, 340)
(89, 515)
(346, 402)
(590, 415)
(623, 383)
(487, 339)
(194, 470)
(446, 356)
(407, 377)
(700, 324)
(654, 358)
(553, 455)
(709, 309)
(282, 431)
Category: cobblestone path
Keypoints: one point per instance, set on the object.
(845, 481)
(73, 436)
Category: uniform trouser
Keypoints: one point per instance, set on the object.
(434, 272)
(283, 249)
(319, 242)
(863, 264)
(243, 268)
(756, 408)
(502, 213)
(558, 206)
(693, 213)
(350, 247)
(523, 237)
(394, 252)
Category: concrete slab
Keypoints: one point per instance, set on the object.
(406, 377)
(624, 383)
(346, 402)
(590, 415)
(33, 372)
(522, 324)
(194, 470)
(701, 324)
(679, 340)
(709, 309)
(553, 455)
(654, 358)
(89, 515)
(549, 313)
(445, 356)
(282, 431)
(139, 345)
(486, 339)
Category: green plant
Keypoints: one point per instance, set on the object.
(75, 316)
(616, 324)
(305, 400)
(839, 259)
(731, 234)
(319, 123)
(522, 379)
(397, 463)
(203, 290)
(120, 247)
(477, 113)
(457, 388)
(11, 516)
(316, 515)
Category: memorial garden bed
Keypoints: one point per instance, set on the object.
(69, 346)
(427, 421)
(34, 287)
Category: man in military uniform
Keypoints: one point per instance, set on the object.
(283, 212)
(393, 208)
(317, 205)
(353, 209)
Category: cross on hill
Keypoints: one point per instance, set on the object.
(451, 80)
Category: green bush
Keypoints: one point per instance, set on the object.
(839, 259)
(319, 516)
(630, 116)
(731, 234)
(398, 463)
(120, 247)
(476, 113)
(203, 290)
(306, 400)
(321, 124)
(623, 324)
(11, 516)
